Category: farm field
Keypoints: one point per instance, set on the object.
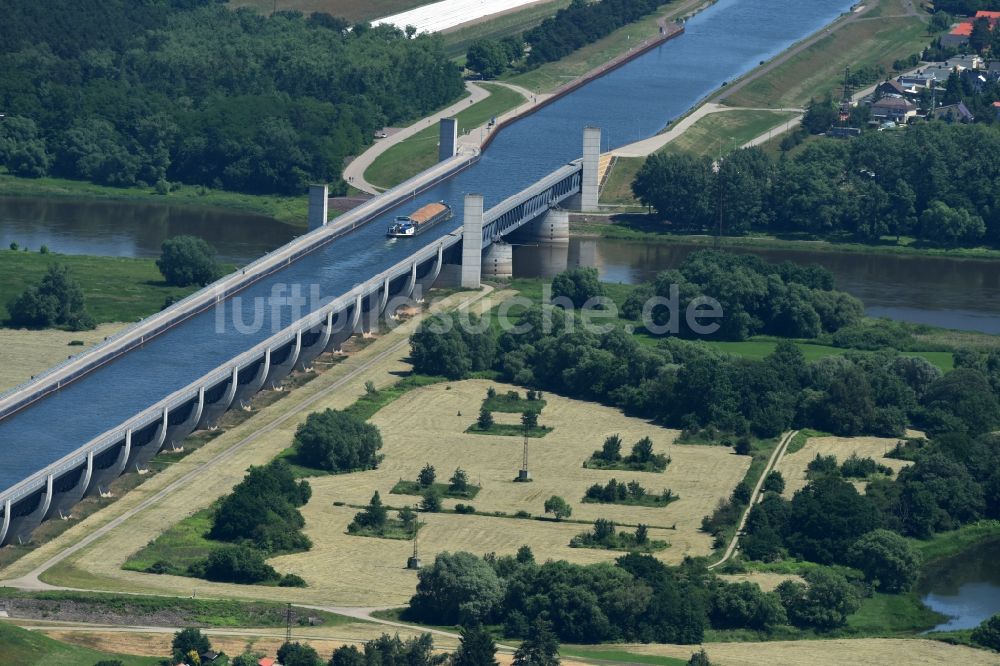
(27, 648)
(857, 652)
(793, 465)
(26, 353)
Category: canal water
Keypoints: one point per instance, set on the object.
(965, 588)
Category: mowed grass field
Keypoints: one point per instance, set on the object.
(27, 353)
(424, 426)
(793, 465)
(857, 652)
(819, 69)
(721, 133)
(419, 152)
(352, 10)
(29, 648)
(115, 289)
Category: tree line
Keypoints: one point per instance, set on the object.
(148, 93)
(933, 182)
(571, 28)
(695, 387)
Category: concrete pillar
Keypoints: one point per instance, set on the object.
(590, 185)
(253, 382)
(472, 242)
(448, 142)
(428, 280)
(142, 452)
(318, 206)
(345, 325)
(5, 525)
(552, 227)
(184, 423)
(281, 369)
(499, 261)
(65, 497)
(309, 352)
(214, 408)
(124, 454)
(19, 528)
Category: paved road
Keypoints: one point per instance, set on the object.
(772, 462)
(354, 173)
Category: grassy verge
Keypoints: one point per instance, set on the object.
(115, 289)
(617, 190)
(21, 646)
(181, 545)
(892, 615)
(723, 132)
(442, 489)
(947, 544)
(419, 152)
(801, 437)
(646, 229)
(290, 209)
(508, 430)
(149, 610)
(553, 75)
(650, 499)
(457, 41)
(616, 655)
(392, 529)
(510, 404)
(819, 69)
(594, 462)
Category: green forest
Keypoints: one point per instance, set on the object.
(934, 182)
(152, 93)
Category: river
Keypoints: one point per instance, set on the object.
(966, 587)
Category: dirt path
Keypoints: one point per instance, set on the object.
(772, 462)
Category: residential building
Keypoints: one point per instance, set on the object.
(894, 109)
(958, 35)
(953, 113)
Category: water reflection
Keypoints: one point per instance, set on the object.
(966, 587)
(954, 293)
(129, 229)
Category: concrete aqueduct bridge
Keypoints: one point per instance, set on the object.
(52, 491)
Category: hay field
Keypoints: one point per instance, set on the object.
(98, 566)
(26, 353)
(424, 426)
(767, 580)
(856, 652)
(793, 465)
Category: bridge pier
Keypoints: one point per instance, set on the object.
(314, 342)
(69, 489)
(472, 242)
(183, 423)
(499, 261)
(251, 380)
(218, 400)
(345, 326)
(282, 368)
(318, 206)
(22, 518)
(448, 139)
(143, 451)
(109, 464)
(552, 227)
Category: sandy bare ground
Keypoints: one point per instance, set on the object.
(25, 353)
(856, 652)
(793, 465)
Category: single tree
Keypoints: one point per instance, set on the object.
(298, 654)
(774, 482)
(374, 515)
(699, 658)
(611, 450)
(189, 640)
(540, 648)
(557, 506)
(337, 442)
(642, 451)
(431, 502)
(187, 260)
(459, 481)
(427, 476)
(485, 420)
(641, 534)
(529, 420)
(887, 560)
(476, 648)
(408, 517)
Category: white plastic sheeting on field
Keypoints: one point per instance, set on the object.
(449, 13)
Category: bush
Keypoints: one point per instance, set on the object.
(578, 285)
(237, 564)
(292, 580)
(464, 508)
(887, 560)
(337, 442)
(823, 603)
(987, 634)
(187, 260)
(57, 300)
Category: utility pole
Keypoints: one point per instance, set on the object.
(414, 561)
(523, 474)
(288, 623)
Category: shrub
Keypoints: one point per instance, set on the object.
(987, 634)
(337, 442)
(187, 260)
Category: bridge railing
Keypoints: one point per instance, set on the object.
(179, 397)
(125, 340)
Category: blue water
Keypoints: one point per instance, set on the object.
(631, 103)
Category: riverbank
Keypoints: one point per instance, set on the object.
(115, 289)
(640, 228)
(287, 210)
